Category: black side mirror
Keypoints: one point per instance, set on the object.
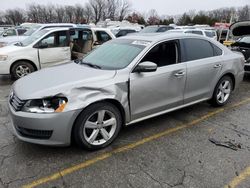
(41, 45)
(146, 66)
(5, 35)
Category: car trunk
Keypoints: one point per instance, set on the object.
(239, 29)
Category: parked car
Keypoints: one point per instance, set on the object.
(241, 30)
(45, 48)
(156, 29)
(124, 32)
(207, 33)
(12, 39)
(124, 81)
(13, 32)
(102, 35)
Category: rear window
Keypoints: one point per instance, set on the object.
(196, 49)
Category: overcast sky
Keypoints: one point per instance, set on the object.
(166, 7)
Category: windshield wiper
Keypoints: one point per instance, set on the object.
(91, 65)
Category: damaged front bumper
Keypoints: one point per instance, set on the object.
(46, 129)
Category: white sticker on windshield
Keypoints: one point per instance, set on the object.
(140, 42)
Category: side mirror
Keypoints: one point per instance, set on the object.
(96, 43)
(146, 66)
(41, 45)
(5, 35)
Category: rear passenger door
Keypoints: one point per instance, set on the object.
(203, 68)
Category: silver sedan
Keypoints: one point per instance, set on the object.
(124, 81)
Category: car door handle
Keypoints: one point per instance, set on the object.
(217, 66)
(180, 74)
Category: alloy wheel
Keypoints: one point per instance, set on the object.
(22, 70)
(224, 91)
(99, 127)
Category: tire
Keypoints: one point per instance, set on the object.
(21, 69)
(91, 132)
(222, 92)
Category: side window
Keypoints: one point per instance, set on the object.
(56, 39)
(197, 49)
(11, 32)
(163, 54)
(162, 29)
(197, 32)
(217, 50)
(102, 36)
(21, 31)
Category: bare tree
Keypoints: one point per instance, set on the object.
(88, 14)
(69, 14)
(244, 13)
(15, 16)
(124, 7)
(98, 7)
(59, 14)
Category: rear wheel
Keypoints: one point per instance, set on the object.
(21, 69)
(97, 126)
(222, 91)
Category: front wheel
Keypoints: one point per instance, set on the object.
(222, 91)
(21, 69)
(97, 126)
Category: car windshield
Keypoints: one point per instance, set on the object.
(245, 39)
(33, 38)
(149, 30)
(32, 30)
(116, 54)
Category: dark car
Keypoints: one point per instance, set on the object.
(156, 29)
(124, 32)
(243, 45)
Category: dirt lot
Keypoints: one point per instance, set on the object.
(173, 150)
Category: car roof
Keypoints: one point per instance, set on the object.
(65, 28)
(155, 37)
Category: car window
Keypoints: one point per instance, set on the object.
(163, 54)
(56, 39)
(209, 34)
(21, 31)
(196, 49)
(197, 32)
(217, 50)
(102, 36)
(11, 32)
(162, 29)
(245, 40)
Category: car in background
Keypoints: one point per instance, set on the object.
(101, 35)
(241, 30)
(207, 33)
(115, 85)
(123, 32)
(156, 29)
(12, 39)
(49, 47)
(13, 32)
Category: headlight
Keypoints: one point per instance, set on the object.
(3, 57)
(48, 105)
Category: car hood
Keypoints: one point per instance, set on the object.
(60, 80)
(240, 28)
(12, 39)
(6, 50)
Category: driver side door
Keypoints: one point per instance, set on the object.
(155, 92)
(54, 49)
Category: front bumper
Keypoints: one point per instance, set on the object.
(4, 67)
(46, 129)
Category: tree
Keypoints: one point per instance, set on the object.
(184, 20)
(244, 13)
(136, 18)
(15, 16)
(153, 17)
(97, 8)
(124, 9)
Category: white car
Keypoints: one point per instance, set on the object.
(50, 47)
(207, 33)
(11, 38)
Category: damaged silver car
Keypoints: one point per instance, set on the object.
(124, 81)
